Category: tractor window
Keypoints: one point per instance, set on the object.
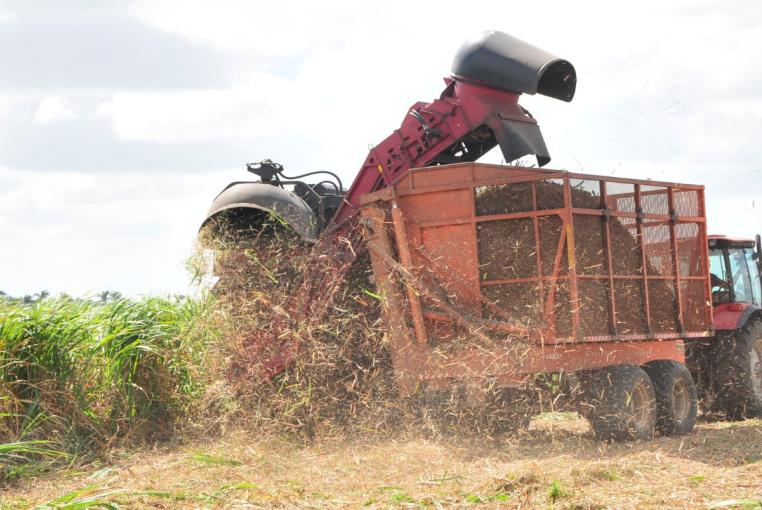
(741, 277)
(717, 266)
(756, 286)
(719, 273)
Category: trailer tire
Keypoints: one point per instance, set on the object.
(676, 396)
(738, 373)
(620, 403)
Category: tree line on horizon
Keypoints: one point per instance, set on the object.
(105, 296)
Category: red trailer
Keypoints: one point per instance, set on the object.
(493, 274)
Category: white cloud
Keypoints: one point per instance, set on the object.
(251, 108)
(666, 91)
(8, 100)
(55, 109)
(78, 233)
(314, 69)
(7, 16)
(271, 28)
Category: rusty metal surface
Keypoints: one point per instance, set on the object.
(515, 364)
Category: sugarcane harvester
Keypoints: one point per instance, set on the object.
(492, 274)
(477, 110)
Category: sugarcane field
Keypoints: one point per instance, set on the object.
(204, 303)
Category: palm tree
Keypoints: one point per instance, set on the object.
(110, 295)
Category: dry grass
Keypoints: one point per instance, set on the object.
(305, 350)
(302, 314)
(556, 465)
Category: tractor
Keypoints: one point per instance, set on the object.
(728, 369)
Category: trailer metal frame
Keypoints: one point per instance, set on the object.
(424, 235)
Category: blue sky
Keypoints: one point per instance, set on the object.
(120, 120)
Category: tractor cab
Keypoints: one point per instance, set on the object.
(735, 266)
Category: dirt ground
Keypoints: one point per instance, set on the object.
(557, 464)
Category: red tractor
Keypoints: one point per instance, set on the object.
(728, 370)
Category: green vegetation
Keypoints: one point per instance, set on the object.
(557, 491)
(213, 460)
(82, 499)
(78, 376)
(610, 475)
(743, 504)
(500, 497)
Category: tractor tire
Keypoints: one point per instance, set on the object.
(737, 373)
(620, 403)
(676, 396)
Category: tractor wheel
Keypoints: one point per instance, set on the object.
(676, 400)
(738, 373)
(620, 403)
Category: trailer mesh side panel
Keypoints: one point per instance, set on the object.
(625, 238)
(506, 249)
(654, 200)
(576, 257)
(625, 250)
(689, 253)
(550, 194)
(658, 248)
(687, 203)
(664, 308)
(520, 300)
(564, 320)
(595, 309)
(630, 307)
(551, 229)
(589, 245)
(693, 292)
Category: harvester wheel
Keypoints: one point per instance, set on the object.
(738, 373)
(621, 403)
(676, 400)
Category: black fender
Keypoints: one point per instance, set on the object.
(268, 198)
(750, 314)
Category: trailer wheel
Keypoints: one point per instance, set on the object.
(738, 373)
(676, 396)
(620, 402)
